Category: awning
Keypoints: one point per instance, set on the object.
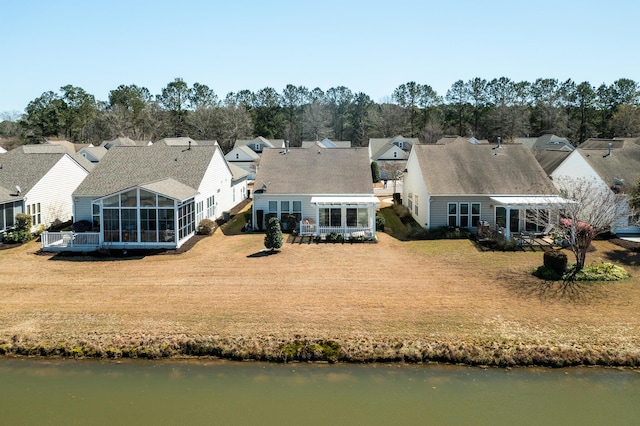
(350, 201)
(533, 200)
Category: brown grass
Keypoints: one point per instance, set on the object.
(421, 300)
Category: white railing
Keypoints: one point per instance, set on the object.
(345, 231)
(59, 241)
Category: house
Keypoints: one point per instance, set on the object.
(38, 180)
(326, 143)
(244, 157)
(70, 147)
(149, 197)
(391, 154)
(93, 153)
(466, 183)
(617, 163)
(184, 141)
(124, 141)
(324, 190)
(546, 142)
(246, 153)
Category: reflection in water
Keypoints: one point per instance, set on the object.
(215, 392)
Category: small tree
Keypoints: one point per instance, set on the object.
(22, 230)
(591, 209)
(375, 172)
(273, 237)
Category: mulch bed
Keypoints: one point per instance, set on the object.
(629, 245)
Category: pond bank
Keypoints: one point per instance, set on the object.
(360, 350)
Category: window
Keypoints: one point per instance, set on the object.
(410, 201)
(6, 216)
(148, 225)
(211, 207)
(395, 154)
(33, 210)
(111, 218)
(284, 212)
(331, 217)
(199, 211)
(273, 207)
(186, 219)
(452, 214)
(536, 220)
(237, 156)
(95, 208)
(415, 204)
(463, 215)
(129, 225)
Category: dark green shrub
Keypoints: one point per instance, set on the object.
(292, 223)
(380, 222)
(22, 231)
(334, 237)
(375, 172)
(555, 260)
(397, 198)
(273, 236)
(206, 227)
(449, 233)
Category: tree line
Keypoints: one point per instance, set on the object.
(485, 109)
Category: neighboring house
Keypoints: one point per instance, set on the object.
(325, 190)
(246, 153)
(185, 142)
(245, 158)
(70, 147)
(38, 180)
(546, 142)
(259, 144)
(93, 153)
(617, 163)
(140, 197)
(464, 183)
(391, 154)
(326, 143)
(124, 141)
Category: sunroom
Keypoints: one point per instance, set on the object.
(349, 216)
(141, 217)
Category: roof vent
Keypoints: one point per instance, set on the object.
(18, 189)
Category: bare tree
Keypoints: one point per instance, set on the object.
(592, 208)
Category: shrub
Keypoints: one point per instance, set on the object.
(292, 223)
(555, 260)
(334, 237)
(206, 227)
(380, 222)
(375, 172)
(397, 199)
(22, 230)
(601, 272)
(449, 233)
(273, 237)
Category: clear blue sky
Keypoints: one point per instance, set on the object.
(368, 46)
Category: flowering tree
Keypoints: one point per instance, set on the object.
(591, 208)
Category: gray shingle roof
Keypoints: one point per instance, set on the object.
(127, 166)
(550, 159)
(25, 166)
(315, 171)
(183, 141)
(622, 164)
(460, 167)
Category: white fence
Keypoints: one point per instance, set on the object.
(345, 231)
(70, 241)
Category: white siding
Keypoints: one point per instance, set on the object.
(54, 190)
(414, 184)
(389, 154)
(574, 166)
(82, 209)
(217, 182)
(440, 206)
(261, 202)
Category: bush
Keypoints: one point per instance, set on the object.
(397, 199)
(22, 230)
(292, 223)
(449, 233)
(273, 237)
(334, 237)
(380, 222)
(375, 172)
(555, 260)
(206, 227)
(601, 272)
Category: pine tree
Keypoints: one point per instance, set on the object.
(273, 237)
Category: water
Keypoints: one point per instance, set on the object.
(223, 393)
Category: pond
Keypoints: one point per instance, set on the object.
(215, 392)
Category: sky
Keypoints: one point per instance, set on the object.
(368, 46)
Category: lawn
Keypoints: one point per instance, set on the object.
(381, 299)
